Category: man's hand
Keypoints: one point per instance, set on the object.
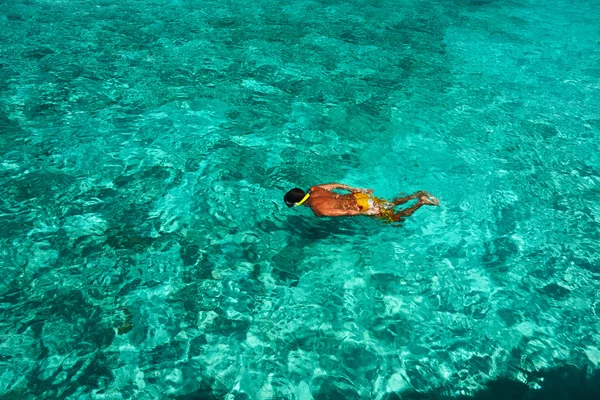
(359, 190)
(333, 186)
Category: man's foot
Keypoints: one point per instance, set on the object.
(428, 199)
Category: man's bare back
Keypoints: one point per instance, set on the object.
(324, 202)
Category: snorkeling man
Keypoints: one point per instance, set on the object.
(324, 202)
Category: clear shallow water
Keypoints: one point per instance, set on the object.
(146, 147)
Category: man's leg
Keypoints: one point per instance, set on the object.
(421, 194)
(424, 199)
(401, 200)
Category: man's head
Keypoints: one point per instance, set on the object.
(293, 196)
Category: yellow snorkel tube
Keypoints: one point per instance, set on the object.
(298, 204)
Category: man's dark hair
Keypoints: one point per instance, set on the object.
(293, 196)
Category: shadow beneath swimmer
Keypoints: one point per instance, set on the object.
(566, 382)
(313, 228)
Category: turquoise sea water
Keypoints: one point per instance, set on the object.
(145, 147)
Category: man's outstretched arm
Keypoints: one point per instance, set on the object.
(332, 186)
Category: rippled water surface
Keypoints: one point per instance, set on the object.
(145, 148)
